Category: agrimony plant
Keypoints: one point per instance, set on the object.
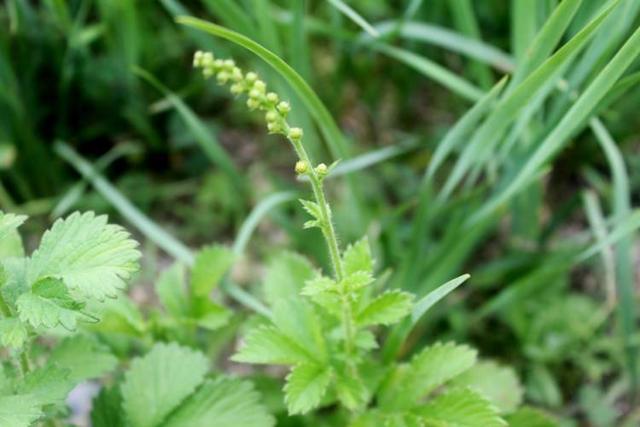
(323, 326)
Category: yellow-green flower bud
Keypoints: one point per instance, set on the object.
(272, 97)
(284, 107)
(254, 94)
(207, 72)
(222, 77)
(251, 77)
(274, 127)
(271, 116)
(322, 170)
(197, 58)
(236, 89)
(295, 134)
(229, 64)
(252, 104)
(207, 59)
(218, 63)
(301, 167)
(259, 85)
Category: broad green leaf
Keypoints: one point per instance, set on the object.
(351, 390)
(172, 290)
(9, 223)
(19, 411)
(530, 417)
(222, 403)
(83, 357)
(386, 309)
(12, 333)
(497, 383)
(357, 257)
(48, 305)
(461, 408)
(428, 370)
(286, 275)
(157, 383)
(92, 257)
(355, 281)
(48, 385)
(210, 266)
(298, 321)
(267, 345)
(305, 387)
(211, 316)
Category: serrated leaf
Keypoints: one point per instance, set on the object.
(286, 275)
(157, 383)
(530, 417)
(18, 411)
(83, 357)
(319, 285)
(13, 333)
(172, 291)
(48, 385)
(306, 386)
(386, 309)
(210, 265)
(312, 208)
(351, 390)
(497, 383)
(298, 321)
(92, 257)
(222, 403)
(461, 408)
(212, 316)
(9, 223)
(357, 257)
(355, 281)
(48, 305)
(428, 370)
(267, 345)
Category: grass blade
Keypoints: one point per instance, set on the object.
(354, 16)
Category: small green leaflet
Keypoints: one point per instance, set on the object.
(211, 264)
(83, 357)
(9, 223)
(306, 386)
(530, 417)
(171, 290)
(48, 305)
(497, 383)
(18, 411)
(267, 345)
(357, 257)
(157, 383)
(12, 333)
(461, 408)
(48, 385)
(92, 257)
(286, 274)
(222, 403)
(313, 209)
(386, 309)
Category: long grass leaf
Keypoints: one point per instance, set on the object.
(354, 16)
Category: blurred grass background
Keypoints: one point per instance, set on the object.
(531, 185)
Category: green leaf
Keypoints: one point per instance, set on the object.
(48, 304)
(355, 281)
(92, 257)
(18, 411)
(386, 309)
(222, 403)
(530, 417)
(497, 383)
(298, 321)
(351, 390)
(313, 209)
(211, 315)
(461, 408)
(286, 275)
(83, 357)
(306, 386)
(319, 285)
(158, 382)
(267, 345)
(428, 370)
(357, 257)
(106, 408)
(9, 223)
(211, 264)
(12, 333)
(172, 291)
(48, 385)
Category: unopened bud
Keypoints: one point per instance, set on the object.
(284, 107)
(272, 97)
(301, 167)
(295, 134)
(321, 169)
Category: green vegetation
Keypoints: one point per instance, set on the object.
(484, 154)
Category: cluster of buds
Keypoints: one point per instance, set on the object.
(275, 110)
